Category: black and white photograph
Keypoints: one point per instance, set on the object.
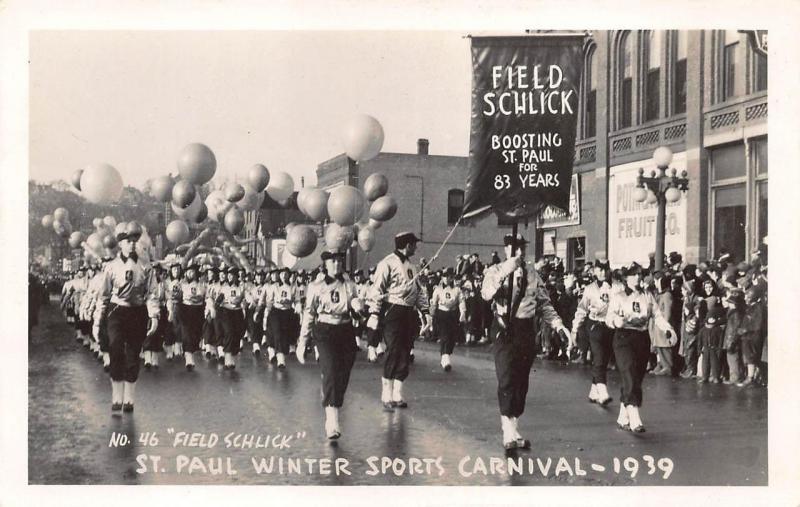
(413, 253)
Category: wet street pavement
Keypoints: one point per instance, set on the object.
(449, 435)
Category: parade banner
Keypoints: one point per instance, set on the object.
(524, 116)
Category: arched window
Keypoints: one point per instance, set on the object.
(625, 81)
(679, 40)
(455, 205)
(590, 94)
(651, 74)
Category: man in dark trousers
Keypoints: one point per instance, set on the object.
(396, 284)
(519, 296)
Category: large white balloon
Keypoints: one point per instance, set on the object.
(346, 205)
(363, 137)
(281, 186)
(101, 184)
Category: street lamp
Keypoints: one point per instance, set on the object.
(660, 188)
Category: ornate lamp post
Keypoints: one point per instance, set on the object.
(660, 188)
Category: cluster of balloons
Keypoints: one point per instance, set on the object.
(353, 215)
(59, 222)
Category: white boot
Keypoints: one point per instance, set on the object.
(397, 394)
(593, 394)
(281, 360)
(602, 394)
(316, 353)
(623, 421)
(635, 421)
(386, 392)
(128, 396)
(332, 423)
(154, 358)
(270, 353)
(189, 358)
(446, 362)
(509, 440)
(381, 349)
(372, 355)
(179, 349)
(147, 359)
(292, 349)
(256, 348)
(220, 351)
(106, 359)
(169, 351)
(117, 389)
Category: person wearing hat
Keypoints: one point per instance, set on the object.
(88, 301)
(734, 303)
(173, 299)
(361, 293)
(79, 287)
(189, 297)
(375, 346)
(629, 313)
(153, 344)
(594, 307)
(396, 284)
(228, 302)
(519, 296)
(711, 338)
(330, 305)
(255, 301)
(752, 332)
(448, 310)
(212, 328)
(269, 339)
(128, 296)
(278, 316)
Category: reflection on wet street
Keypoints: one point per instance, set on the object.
(260, 425)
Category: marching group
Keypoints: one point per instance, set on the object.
(706, 320)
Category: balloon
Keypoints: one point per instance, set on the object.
(281, 186)
(301, 241)
(103, 231)
(60, 226)
(183, 193)
(234, 221)
(289, 227)
(61, 214)
(252, 200)
(161, 188)
(258, 177)
(97, 222)
(302, 194)
(109, 241)
(197, 163)
(110, 221)
(338, 237)
(375, 224)
(234, 192)
(376, 186)
(213, 202)
(47, 221)
(190, 213)
(383, 209)
(101, 184)
(366, 239)
(95, 242)
(315, 204)
(345, 205)
(120, 228)
(75, 239)
(177, 232)
(76, 182)
(363, 137)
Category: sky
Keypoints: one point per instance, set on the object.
(133, 99)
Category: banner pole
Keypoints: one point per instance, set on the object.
(514, 229)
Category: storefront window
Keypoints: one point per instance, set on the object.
(760, 151)
(679, 78)
(576, 253)
(730, 216)
(626, 81)
(728, 163)
(762, 211)
(651, 44)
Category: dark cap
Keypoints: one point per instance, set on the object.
(508, 239)
(715, 315)
(449, 272)
(405, 238)
(326, 255)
